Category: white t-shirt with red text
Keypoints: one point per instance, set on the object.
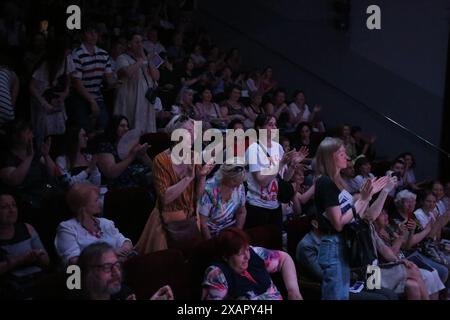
(258, 161)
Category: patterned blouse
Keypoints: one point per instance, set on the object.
(215, 285)
(221, 215)
(130, 177)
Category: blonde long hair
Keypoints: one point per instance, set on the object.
(325, 164)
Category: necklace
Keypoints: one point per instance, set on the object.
(98, 233)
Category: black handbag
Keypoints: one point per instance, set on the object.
(152, 92)
(285, 190)
(358, 237)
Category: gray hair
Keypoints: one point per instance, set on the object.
(90, 257)
(182, 92)
(402, 195)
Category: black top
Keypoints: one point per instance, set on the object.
(131, 177)
(21, 233)
(326, 196)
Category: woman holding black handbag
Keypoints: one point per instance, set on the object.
(336, 208)
(136, 94)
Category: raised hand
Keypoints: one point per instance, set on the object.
(301, 155)
(366, 190)
(287, 157)
(391, 184)
(203, 171)
(379, 184)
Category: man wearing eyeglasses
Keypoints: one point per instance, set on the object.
(101, 276)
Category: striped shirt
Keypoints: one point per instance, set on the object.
(6, 106)
(91, 68)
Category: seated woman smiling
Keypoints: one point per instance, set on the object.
(244, 271)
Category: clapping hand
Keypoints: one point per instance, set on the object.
(203, 171)
(165, 293)
(379, 184)
(287, 157)
(366, 190)
(391, 184)
(300, 155)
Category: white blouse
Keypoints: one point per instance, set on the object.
(72, 238)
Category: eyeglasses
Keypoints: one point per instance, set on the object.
(107, 267)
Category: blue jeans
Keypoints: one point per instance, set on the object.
(336, 272)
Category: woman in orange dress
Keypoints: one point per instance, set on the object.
(178, 184)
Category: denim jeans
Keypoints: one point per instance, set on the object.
(333, 259)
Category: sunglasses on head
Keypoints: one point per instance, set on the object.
(238, 169)
(182, 118)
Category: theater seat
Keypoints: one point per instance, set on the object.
(158, 143)
(296, 230)
(146, 274)
(268, 236)
(51, 287)
(129, 209)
